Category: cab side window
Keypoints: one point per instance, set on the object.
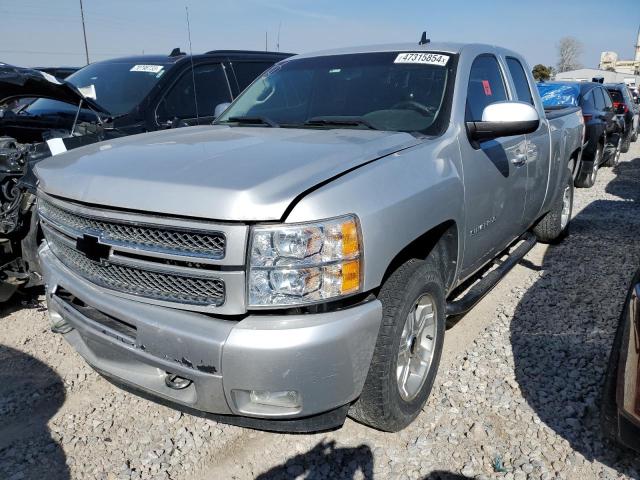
(486, 86)
(211, 89)
(523, 91)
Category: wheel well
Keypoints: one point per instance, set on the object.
(442, 240)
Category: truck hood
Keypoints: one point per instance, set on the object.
(212, 172)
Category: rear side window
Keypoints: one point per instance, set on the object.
(486, 86)
(599, 99)
(616, 96)
(523, 92)
(247, 72)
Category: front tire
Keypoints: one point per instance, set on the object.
(554, 226)
(409, 346)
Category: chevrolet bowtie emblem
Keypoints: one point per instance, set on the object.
(92, 248)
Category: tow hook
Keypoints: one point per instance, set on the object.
(176, 382)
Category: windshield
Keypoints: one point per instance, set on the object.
(396, 91)
(558, 94)
(116, 86)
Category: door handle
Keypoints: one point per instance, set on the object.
(519, 159)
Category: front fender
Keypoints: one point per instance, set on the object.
(397, 198)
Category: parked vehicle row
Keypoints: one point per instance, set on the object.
(297, 261)
(104, 100)
(611, 119)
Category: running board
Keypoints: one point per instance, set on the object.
(491, 279)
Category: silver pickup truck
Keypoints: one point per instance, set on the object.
(297, 261)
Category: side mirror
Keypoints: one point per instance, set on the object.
(220, 108)
(504, 119)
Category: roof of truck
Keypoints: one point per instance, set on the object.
(445, 47)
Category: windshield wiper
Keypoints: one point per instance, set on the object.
(340, 121)
(253, 120)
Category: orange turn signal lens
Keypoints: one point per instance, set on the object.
(350, 243)
(350, 276)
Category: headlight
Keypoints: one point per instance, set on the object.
(304, 263)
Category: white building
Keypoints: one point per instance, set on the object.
(588, 74)
(610, 61)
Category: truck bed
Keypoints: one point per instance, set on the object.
(559, 111)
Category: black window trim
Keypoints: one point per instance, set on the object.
(526, 77)
(185, 71)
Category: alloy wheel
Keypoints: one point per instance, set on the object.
(417, 346)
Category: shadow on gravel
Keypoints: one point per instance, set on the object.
(326, 461)
(442, 475)
(563, 327)
(30, 394)
(22, 299)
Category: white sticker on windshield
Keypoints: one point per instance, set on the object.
(147, 68)
(89, 92)
(422, 58)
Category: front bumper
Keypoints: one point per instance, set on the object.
(324, 357)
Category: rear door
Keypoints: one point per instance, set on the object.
(495, 172)
(538, 145)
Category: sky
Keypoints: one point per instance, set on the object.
(49, 32)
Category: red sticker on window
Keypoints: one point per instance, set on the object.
(487, 88)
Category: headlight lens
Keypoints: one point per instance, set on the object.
(304, 263)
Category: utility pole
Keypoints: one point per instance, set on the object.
(84, 32)
(278, 40)
(266, 41)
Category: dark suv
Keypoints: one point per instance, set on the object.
(602, 129)
(102, 101)
(626, 107)
(144, 93)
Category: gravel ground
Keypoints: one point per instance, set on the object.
(516, 396)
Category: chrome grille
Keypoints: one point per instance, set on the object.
(173, 241)
(159, 285)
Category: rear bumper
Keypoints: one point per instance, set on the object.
(324, 357)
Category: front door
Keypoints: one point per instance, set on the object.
(193, 98)
(495, 173)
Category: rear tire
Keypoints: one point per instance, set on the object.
(626, 143)
(614, 159)
(393, 394)
(554, 226)
(589, 169)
